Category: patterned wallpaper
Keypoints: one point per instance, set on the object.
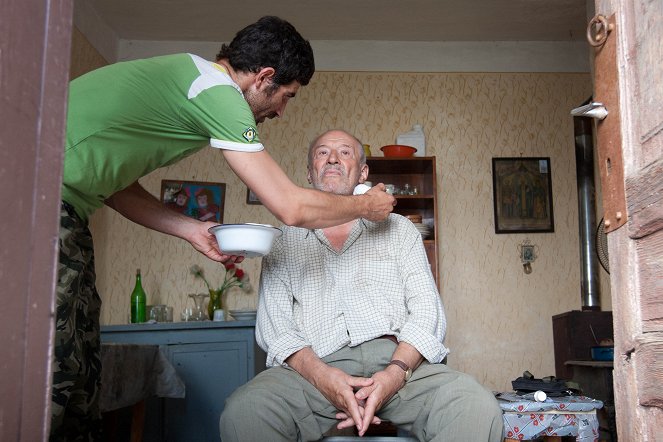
(499, 318)
(84, 57)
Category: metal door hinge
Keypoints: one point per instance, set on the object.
(602, 34)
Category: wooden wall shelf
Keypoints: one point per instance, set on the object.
(419, 172)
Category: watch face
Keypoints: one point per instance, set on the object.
(408, 374)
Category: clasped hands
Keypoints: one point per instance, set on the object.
(358, 398)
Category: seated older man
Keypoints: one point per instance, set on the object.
(353, 327)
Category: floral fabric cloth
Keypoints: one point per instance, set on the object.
(526, 419)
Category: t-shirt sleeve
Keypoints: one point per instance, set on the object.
(224, 115)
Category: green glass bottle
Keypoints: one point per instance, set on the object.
(138, 301)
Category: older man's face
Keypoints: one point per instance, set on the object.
(334, 163)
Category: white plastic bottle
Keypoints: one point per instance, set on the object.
(414, 138)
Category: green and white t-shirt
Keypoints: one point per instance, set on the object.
(128, 119)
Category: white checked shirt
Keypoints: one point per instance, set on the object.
(380, 283)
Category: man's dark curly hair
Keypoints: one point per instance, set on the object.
(271, 42)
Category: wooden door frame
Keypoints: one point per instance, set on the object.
(635, 247)
(35, 40)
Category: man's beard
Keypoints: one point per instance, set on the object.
(336, 187)
(259, 103)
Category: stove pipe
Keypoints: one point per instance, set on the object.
(589, 287)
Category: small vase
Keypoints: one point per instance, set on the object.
(215, 302)
(198, 312)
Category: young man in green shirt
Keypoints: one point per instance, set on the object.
(128, 119)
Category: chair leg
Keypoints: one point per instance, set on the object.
(137, 421)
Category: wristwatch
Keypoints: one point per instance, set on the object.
(404, 366)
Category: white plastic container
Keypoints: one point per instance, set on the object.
(361, 189)
(414, 138)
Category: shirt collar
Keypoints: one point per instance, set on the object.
(357, 229)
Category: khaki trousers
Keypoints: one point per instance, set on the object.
(436, 404)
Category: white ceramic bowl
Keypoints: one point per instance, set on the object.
(250, 240)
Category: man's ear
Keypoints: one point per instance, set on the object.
(264, 77)
(308, 175)
(364, 173)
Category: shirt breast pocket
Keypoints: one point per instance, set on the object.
(378, 277)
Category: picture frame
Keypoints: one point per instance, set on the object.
(200, 200)
(527, 253)
(522, 195)
(251, 198)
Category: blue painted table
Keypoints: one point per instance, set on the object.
(212, 358)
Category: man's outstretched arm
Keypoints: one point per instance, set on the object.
(138, 205)
(300, 207)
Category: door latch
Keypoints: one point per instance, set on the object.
(592, 110)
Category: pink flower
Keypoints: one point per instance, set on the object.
(234, 277)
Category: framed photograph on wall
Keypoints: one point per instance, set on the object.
(200, 200)
(251, 198)
(522, 195)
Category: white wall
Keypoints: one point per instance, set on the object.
(400, 56)
(366, 56)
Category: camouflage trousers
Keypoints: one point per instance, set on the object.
(75, 414)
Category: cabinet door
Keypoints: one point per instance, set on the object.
(211, 372)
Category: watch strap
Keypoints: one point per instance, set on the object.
(406, 368)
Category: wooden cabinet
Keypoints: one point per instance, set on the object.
(419, 173)
(212, 358)
(575, 333)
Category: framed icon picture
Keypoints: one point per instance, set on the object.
(522, 195)
(203, 201)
